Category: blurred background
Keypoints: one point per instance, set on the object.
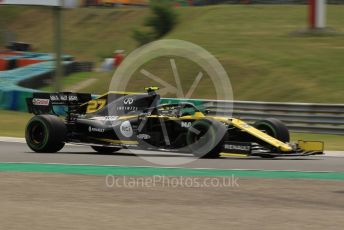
(270, 49)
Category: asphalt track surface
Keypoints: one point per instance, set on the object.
(19, 152)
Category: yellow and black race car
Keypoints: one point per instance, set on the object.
(116, 121)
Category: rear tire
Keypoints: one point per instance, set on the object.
(45, 134)
(205, 138)
(105, 150)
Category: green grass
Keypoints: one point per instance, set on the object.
(102, 82)
(13, 124)
(77, 78)
(254, 44)
(70, 80)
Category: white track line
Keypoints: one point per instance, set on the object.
(12, 139)
(22, 140)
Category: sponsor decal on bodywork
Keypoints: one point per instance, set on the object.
(63, 97)
(186, 124)
(127, 108)
(105, 118)
(143, 136)
(126, 129)
(128, 101)
(237, 147)
(39, 101)
(94, 129)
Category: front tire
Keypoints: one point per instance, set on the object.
(45, 134)
(275, 128)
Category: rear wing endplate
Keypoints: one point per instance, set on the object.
(44, 103)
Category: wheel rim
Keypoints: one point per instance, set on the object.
(199, 136)
(37, 134)
(203, 141)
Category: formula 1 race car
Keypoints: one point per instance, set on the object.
(117, 121)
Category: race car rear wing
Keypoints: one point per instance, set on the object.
(45, 103)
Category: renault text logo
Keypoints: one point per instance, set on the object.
(93, 129)
(128, 101)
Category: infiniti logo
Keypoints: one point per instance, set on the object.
(128, 101)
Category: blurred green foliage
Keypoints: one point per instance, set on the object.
(161, 21)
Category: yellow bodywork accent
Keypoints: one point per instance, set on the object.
(261, 135)
(311, 145)
(198, 115)
(127, 117)
(255, 132)
(226, 120)
(189, 117)
(95, 105)
(152, 88)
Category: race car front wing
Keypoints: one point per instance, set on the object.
(301, 148)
